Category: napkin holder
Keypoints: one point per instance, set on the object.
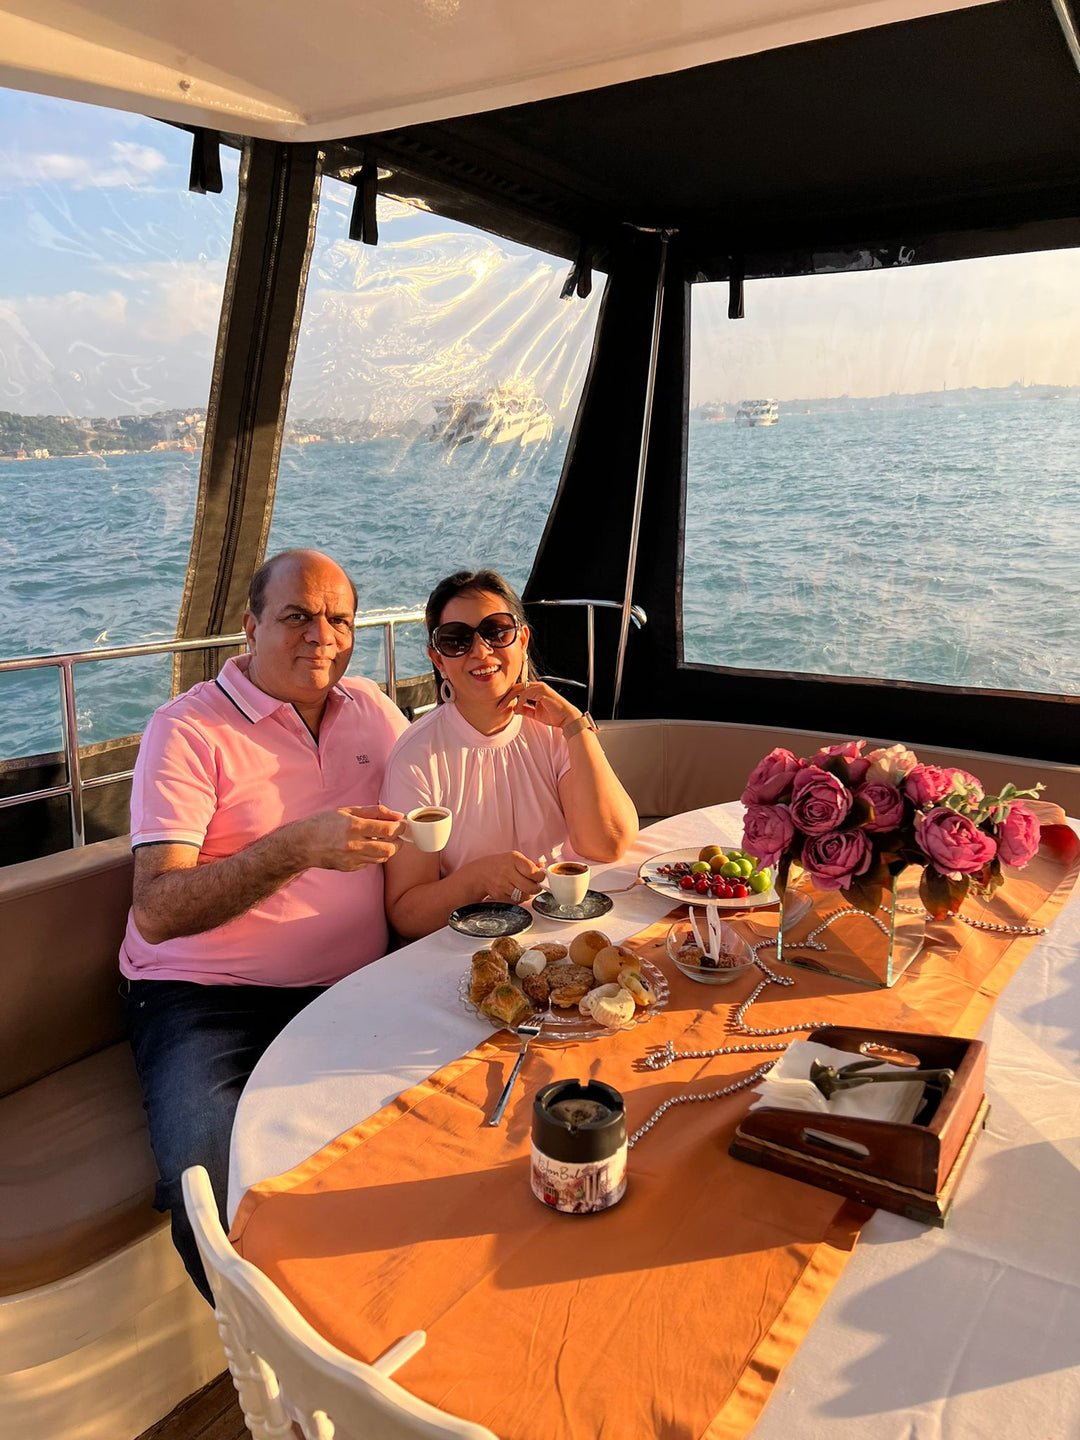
(912, 1169)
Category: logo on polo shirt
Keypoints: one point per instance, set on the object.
(362, 760)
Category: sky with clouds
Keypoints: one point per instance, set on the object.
(111, 276)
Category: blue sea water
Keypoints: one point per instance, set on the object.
(938, 545)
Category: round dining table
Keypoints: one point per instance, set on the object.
(962, 1333)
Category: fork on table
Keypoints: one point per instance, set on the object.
(526, 1031)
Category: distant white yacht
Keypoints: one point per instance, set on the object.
(757, 412)
(508, 412)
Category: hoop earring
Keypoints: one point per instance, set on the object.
(446, 691)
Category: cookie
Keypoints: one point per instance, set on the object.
(569, 984)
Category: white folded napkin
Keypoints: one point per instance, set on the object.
(789, 1087)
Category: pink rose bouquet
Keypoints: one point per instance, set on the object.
(854, 819)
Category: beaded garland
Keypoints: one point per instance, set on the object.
(664, 1055)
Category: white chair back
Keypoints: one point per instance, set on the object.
(286, 1373)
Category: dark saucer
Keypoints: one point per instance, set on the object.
(488, 919)
(592, 907)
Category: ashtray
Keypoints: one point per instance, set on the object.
(687, 954)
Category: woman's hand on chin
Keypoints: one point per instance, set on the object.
(509, 876)
(541, 703)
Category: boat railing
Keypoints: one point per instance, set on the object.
(637, 616)
(65, 665)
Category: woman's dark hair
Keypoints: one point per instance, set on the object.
(471, 582)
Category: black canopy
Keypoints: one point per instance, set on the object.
(940, 138)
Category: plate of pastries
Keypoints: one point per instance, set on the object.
(576, 992)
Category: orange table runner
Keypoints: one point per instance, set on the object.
(670, 1315)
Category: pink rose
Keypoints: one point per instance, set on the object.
(833, 861)
(849, 750)
(1018, 836)
(767, 832)
(818, 801)
(926, 785)
(955, 845)
(887, 804)
(890, 764)
(770, 778)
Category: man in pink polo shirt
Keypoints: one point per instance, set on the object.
(259, 845)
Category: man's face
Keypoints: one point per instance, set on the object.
(301, 644)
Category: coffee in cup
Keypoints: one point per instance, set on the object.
(568, 881)
(429, 828)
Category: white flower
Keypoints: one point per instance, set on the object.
(890, 765)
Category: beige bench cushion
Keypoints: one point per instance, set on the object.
(62, 919)
(76, 1172)
(669, 766)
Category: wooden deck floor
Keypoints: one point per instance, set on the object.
(212, 1413)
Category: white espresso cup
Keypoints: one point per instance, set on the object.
(429, 827)
(568, 881)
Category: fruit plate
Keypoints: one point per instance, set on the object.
(556, 1024)
(665, 885)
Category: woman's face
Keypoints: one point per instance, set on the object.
(483, 674)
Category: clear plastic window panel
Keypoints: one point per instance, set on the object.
(882, 475)
(436, 379)
(111, 279)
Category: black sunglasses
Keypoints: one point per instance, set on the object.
(456, 639)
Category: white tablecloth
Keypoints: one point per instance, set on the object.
(965, 1333)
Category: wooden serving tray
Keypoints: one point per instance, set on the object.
(911, 1169)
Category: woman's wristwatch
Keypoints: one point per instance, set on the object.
(584, 721)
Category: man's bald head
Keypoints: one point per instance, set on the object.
(263, 575)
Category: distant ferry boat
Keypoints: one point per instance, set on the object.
(498, 416)
(757, 412)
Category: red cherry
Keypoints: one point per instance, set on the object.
(702, 886)
(739, 892)
(725, 893)
(686, 883)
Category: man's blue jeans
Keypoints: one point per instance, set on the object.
(195, 1046)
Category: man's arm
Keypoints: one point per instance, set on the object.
(174, 895)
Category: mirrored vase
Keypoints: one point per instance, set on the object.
(834, 937)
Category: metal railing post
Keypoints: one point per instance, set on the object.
(639, 489)
(391, 661)
(64, 665)
(636, 615)
(590, 633)
(70, 730)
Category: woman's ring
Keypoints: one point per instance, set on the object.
(516, 895)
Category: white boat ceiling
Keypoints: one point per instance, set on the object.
(332, 68)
